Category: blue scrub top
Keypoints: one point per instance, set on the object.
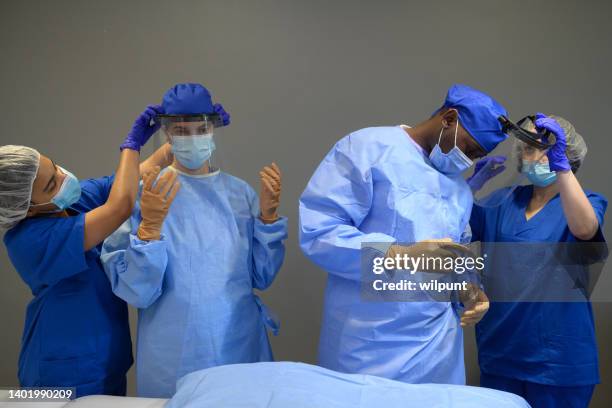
(548, 343)
(76, 332)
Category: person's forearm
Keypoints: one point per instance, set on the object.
(577, 208)
(162, 157)
(102, 221)
(125, 187)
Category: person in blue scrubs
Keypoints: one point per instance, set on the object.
(76, 332)
(396, 184)
(192, 268)
(545, 352)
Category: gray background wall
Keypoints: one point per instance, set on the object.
(296, 76)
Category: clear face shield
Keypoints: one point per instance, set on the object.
(532, 148)
(191, 137)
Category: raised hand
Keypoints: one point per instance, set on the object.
(269, 196)
(155, 202)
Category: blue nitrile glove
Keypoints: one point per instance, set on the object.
(485, 169)
(142, 129)
(557, 159)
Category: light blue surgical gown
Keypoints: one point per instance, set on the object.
(378, 185)
(194, 286)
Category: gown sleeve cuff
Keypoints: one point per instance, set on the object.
(277, 227)
(136, 242)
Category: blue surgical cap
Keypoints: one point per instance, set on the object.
(478, 113)
(187, 99)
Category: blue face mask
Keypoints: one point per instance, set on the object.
(452, 163)
(539, 173)
(193, 151)
(68, 193)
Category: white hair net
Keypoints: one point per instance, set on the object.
(18, 169)
(575, 150)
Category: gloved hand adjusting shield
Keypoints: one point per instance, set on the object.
(535, 145)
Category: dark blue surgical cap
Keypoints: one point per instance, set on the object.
(478, 114)
(187, 99)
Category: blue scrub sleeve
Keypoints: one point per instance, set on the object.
(134, 267)
(47, 250)
(600, 204)
(335, 202)
(94, 193)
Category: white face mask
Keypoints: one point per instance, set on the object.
(452, 163)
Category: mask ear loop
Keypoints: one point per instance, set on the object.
(456, 129)
(440, 137)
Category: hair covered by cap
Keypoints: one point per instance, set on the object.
(187, 99)
(478, 114)
(18, 169)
